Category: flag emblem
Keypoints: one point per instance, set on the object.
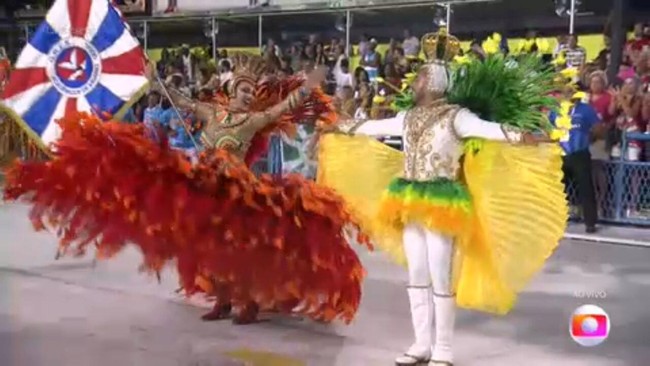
(74, 67)
(82, 58)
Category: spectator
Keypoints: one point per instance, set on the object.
(603, 58)
(178, 82)
(162, 64)
(342, 74)
(188, 63)
(333, 51)
(600, 99)
(296, 55)
(575, 54)
(561, 45)
(272, 48)
(183, 136)
(272, 60)
(362, 93)
(321, 57)
(643, 70)
(344, 102)
(313, 39)
(153, 117)
(411, 44)
(625, 110)
(309, 53)
(577, 161)
(225, 73)
(371, 61)
(208, 78)
(639, 42)
(392, 77)
(625, 71)
(364, 45)
(401, 62)
(389, 55)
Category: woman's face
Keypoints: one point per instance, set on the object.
(629, 88)
(597, 85)
(643, 63)
(363, 77)
(244, 96)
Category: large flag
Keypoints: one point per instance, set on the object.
(83, 57)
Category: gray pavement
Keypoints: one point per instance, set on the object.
(73, 313)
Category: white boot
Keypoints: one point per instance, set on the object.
(445, 320)
(419, 353)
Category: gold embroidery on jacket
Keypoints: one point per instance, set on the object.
(432, 149)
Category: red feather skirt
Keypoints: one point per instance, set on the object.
(270, 240)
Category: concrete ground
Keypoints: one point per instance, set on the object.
(71, 313)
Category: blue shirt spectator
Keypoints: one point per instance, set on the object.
(583, 119)
(180, 138)
(166, 116)
(153, 115)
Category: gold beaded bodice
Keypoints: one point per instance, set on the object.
(432, 149)
(230, 131)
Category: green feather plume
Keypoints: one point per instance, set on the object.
(515, 92)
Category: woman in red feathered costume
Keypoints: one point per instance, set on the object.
(254, 243)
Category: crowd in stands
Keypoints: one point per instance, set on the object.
(362, 79)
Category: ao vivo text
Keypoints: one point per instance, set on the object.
(583, 294)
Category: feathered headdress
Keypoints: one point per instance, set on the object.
(246, 67)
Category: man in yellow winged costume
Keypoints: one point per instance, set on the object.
(477, 206)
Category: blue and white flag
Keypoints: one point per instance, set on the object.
(82, 58)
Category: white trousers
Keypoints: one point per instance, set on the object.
(430, 265)
(430, 259)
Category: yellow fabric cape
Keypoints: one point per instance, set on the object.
(519, 209)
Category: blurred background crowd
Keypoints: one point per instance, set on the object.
(363, 79)
(367, 68)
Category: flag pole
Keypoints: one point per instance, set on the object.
(572, 17)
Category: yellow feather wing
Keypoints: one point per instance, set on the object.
(520, 214)
(360, 168)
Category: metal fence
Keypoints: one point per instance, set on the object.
(622, 188)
